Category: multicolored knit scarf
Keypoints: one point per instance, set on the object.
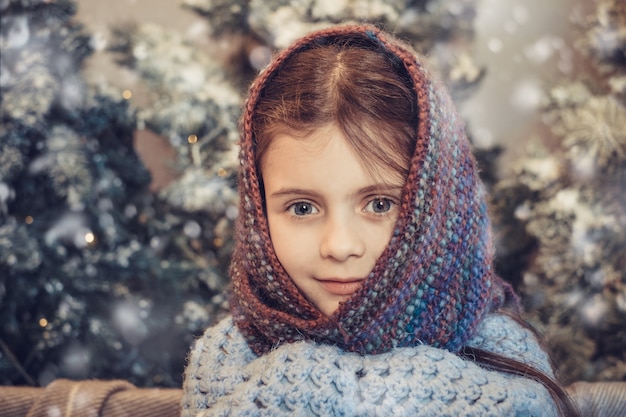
(433, 283)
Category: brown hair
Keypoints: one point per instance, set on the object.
(365, 93)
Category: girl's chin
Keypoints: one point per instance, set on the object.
(330, 307)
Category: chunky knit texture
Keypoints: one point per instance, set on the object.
(433, 283)
(226, 378)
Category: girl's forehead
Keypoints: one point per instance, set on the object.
(311, 138)
(375, 150)
(306, 141)
(310, 145)
(321, 151)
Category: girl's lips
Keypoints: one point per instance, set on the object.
(338, 287)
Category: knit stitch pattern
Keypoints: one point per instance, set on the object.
(433, 283)
(225, 377)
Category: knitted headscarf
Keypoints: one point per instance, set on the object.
(433, 283)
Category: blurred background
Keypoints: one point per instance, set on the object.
(118, 167)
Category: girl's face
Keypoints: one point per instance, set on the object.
(329, 217)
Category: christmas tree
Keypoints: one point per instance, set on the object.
(99, 277)
(562, 212)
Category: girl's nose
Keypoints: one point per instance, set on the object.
(341, 239)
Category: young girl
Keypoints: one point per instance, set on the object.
(363, 282)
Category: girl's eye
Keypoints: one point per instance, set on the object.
(379, 205)
(302, 209)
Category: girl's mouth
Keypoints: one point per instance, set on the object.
(341, 287)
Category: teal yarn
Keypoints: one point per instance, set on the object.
(224, 377)
(434, 282)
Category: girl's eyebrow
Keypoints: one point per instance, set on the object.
(370, 189)
(293, 191)
(383, 187)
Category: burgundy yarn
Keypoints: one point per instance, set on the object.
(433, 283)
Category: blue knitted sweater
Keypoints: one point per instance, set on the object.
(225, 377)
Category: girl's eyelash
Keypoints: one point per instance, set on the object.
(302, 209)
(292, 207)
(392, 202)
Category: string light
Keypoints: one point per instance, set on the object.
(127, 94)
(90, 237)
(192, 139)
(222, 172)
(43, 322)
(29, 220)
